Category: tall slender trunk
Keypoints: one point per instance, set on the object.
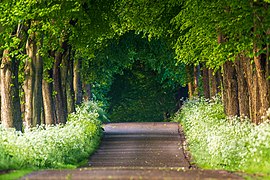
(206, 89)
(253, 89)
(33, 83)
(87, 92)
(267, 73)
(191, 78)
(6, 95)
(212, 83)
(48, 104)
(262, 84)
(70, 87)
(29, 83)
(57, 84)
(77, 82)
(230, 91)
(243, 93)
(219, 80)
(37, 90)
(16, 105)
(196, 77)
(64, 76)
(10, 100)
(260, 59)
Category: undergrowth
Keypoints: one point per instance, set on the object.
(55, 146)
(218, 142)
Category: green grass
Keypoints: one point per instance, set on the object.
(218, 142)
(60, 146)
(15, 174)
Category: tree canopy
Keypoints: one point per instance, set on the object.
(70, 49)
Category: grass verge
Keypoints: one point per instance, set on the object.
(58, 146)
(218, 142)
(15, 174)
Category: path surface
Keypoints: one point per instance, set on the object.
(137, 151)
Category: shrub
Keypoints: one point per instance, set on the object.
(52, 146)
(219, 142)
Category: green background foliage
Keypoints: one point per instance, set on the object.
(137, 95)
(135, 76)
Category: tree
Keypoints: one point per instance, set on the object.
(243, 31)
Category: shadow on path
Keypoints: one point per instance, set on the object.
(137, 151)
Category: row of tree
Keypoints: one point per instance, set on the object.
(43, 45)
(224, 42)
(47, 45)
(232, 38)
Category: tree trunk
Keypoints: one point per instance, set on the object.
(196, 77)
(206, 89)
(219, 81)
(16, 105)
(262, 83)
(267, 74)
(48, 104)
(37, 90)
(29, 83)
(243, 93)
(87, 92)
(64, 76)
(33, 83)
(260, 59)
(212, 83)
(77, 82)
(252, 82)
(6, 95)
(10, 100)
(61, 115)
(70, 87)
(230, 91)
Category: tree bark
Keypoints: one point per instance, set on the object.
(37, 90)
(243, 93)
(16, 105)
(219, 80)
(260, 59)
(87, 92)
(252, 82)
(77, 82)
(61, 115)
(212, 83)
(64, 76)
(206, 89)
(70, 87)
(196, 77)
(230, 91)
(10, 100)
(29, 83)
(33, 83)
(48, 104)
(262, 84)
(6, 95)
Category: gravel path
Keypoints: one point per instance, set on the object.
(137, 151)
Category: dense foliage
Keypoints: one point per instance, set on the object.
(52, 146)
(138, 95)
(135, 77)
(219, 142)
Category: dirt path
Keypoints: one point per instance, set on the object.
(137, 151)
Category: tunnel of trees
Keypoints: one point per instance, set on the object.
(55, 54)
